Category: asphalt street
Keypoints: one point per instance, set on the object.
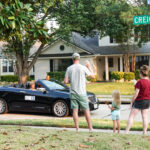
(102, 113)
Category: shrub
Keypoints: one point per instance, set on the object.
(117, 75)
(92, 80)
(128, 76)
(137, 74)
(57, 75)
(9, 78)
(12, 78)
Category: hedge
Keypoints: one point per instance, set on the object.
(9, 78)
(137, 74)
(12, 78)
(57, 75)
(128, 76)
(92, 80)
(117, 75)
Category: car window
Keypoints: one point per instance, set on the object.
(52, 85)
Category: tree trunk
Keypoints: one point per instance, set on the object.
(126, 62)
(22, 67)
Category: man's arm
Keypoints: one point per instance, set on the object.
(89, 68)
(66, 80)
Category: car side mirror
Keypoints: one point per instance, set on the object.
(44, 92)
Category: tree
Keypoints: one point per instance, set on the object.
(118, 23)
(22, 24)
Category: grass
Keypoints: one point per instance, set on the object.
(107, 87)
(23, 138)
(68, 123)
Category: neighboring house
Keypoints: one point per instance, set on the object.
(105, 55)
(6, 65)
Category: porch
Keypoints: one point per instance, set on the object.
(106, 64)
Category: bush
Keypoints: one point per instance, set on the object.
(117, 75)
(92, 80)
(13, 78)
(137, 74)
(9, 78)
(128, 76)
(57, 75)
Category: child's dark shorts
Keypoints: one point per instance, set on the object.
(141, 104)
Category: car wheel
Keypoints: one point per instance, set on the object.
(60, 109)
(3, 106)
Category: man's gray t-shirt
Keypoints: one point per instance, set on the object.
(76, 74)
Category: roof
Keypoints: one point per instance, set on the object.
(91, 45)
(114, 50)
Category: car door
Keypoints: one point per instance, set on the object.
(42, 101)
(16, 98)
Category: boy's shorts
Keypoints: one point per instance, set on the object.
(79, 101)
(115, 115)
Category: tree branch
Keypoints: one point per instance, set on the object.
(36, 56)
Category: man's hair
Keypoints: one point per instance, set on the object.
(76, 56)
(144, 70)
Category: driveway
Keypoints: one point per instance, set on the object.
(102, 113)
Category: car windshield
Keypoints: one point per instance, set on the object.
(52, 85)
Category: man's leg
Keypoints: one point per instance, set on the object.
(75, 118)
(132, 115)
(144, 114)
(88, 119)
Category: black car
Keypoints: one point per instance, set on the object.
(48, 97)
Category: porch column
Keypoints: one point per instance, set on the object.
(121, 64)
(106, 68)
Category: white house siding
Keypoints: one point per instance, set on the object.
(41, 68)
(55, 48)
(105, 41)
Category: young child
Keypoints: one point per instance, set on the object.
(115, 110)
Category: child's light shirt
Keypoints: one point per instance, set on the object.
(114, 105)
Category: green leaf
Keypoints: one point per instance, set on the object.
(11, 18)
(2, 20)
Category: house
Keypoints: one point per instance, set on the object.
(6, 65)
(104, 54)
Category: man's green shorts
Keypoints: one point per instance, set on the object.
(79, 101)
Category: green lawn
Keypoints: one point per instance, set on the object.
(68, 123)
(107, 87)
(24, 138)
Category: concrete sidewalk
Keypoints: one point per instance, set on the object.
(125, 99)
(86, 130)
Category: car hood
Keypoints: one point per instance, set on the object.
(67, 92)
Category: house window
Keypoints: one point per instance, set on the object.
(62, 47)
(7, 65)
(112, 40)
(140, 60)
(61, 64)
(111, 62)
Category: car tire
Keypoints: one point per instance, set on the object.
(60, 108)
(3, 106)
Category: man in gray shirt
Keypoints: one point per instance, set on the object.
(76, 76)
